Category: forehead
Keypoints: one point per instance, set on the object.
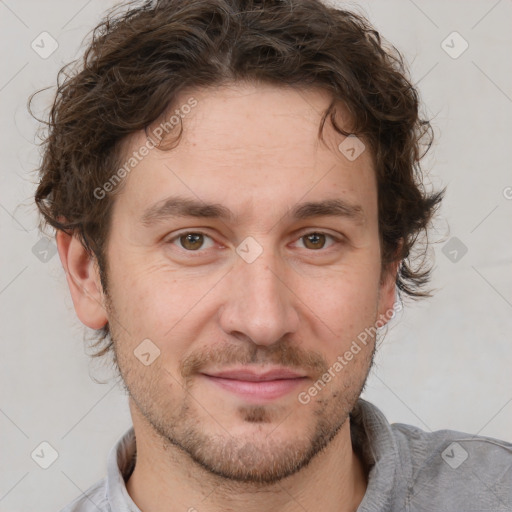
(255, 145)
(245, 120)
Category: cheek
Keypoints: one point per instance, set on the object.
(158, 303)
(349, 292)
(342, 307)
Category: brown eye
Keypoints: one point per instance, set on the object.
(314, 240)
(191, 241)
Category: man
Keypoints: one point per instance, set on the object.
(235, 189)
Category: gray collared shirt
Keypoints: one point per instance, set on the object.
(410, 470)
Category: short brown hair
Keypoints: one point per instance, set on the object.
(142, 55)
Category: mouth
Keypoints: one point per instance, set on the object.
(257, 386)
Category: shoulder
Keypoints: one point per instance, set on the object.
(93, 499)
(448, 466)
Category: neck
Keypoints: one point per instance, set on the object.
(169, 480)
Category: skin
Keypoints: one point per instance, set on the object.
(253, 149)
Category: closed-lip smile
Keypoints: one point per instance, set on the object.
(257, 385)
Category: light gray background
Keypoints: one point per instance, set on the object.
(445, 363)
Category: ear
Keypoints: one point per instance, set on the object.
(387, 290)
(83, 280)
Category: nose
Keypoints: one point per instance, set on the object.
(260, 304)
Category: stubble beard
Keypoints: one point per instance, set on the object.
(256, 459)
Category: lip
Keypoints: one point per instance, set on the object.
(248, 374)
(256, 386)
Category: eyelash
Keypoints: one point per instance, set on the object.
(336, 240)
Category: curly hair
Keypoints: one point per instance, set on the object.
(142, 55)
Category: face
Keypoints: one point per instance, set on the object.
(249, 257)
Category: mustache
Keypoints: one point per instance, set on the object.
(286, 354)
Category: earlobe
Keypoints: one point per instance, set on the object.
(83, 280)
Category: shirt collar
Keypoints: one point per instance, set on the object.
(372, 437)
(120, 464)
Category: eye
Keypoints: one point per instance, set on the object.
(195, 241)
(192, 241)
(317, 240)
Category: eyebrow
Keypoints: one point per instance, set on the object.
(176, 206)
